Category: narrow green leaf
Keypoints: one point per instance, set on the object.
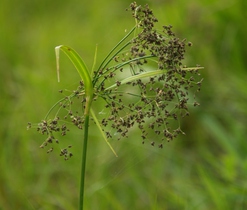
(94, 60)
(147, 74)
(81, 68)
(102, 132)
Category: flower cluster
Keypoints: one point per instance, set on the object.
(152, 104)
(143, 83)
(60, 125)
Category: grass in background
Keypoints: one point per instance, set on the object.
(188, 173)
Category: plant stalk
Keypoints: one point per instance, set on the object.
(83, 161)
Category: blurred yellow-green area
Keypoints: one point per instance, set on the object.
(205, 169)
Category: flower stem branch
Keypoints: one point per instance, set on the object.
(103, 64)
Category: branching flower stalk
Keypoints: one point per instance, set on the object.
(142, 82)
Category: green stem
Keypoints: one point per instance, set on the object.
(103, 64)
(83, 161)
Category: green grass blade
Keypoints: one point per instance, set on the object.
(94, 60)
(81, 68)
(138, 76)
(147, 74)
(102, 132)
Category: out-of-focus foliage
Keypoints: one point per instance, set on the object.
(206, 169)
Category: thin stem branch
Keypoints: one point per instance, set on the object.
(114, 48)
(118, 66)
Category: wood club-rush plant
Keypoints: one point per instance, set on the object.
(143, 85)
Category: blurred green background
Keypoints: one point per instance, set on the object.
(206, 169)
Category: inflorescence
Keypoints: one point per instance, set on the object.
(154, 105)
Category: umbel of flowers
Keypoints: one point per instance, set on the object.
(142, 84)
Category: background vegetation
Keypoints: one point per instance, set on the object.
(206, 169)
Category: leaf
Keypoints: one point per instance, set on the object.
(147, 74)
(82, 70)
(102, 132)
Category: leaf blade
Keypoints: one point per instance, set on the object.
(102, 132)
(81, 69)
(147, 74)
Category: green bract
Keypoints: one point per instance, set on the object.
(82, 70)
